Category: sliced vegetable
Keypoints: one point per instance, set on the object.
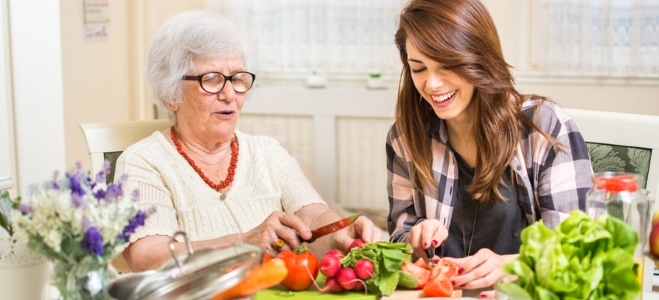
(440, 286)
(420, 273)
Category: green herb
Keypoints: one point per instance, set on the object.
(7, 205)
(388, 259)
(581, 259)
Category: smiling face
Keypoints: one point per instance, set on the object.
(211, 116)
(448, 94)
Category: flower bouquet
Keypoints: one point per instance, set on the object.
(79, 223)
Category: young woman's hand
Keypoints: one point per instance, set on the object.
(428, 233)
(480, 270)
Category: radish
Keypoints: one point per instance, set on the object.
(331, 285)
(364, 269)
(347, 278)
(330, 265)
(335, 252)
(357, 243)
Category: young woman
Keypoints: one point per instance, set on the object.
(471, 161)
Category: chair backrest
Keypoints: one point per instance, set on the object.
(107, 140)
(625, 143)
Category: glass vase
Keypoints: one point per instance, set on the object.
(84, 280)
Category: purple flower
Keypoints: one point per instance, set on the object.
(93, 241)
(114, 191)
(136, 221)
(77, 200)
(77, 188)
(99, 194)
(24, 208)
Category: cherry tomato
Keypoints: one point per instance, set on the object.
(440, 286)
(302, 268)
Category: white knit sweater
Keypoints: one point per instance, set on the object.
(267, 179)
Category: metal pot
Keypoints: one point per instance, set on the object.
(198, 275)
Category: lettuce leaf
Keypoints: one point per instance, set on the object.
(581, 259)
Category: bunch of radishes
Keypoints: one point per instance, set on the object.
(341, 277)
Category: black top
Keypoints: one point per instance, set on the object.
(498, 225)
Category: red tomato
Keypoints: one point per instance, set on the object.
(440, 286)
(422, 263)
(302, 268)
(448, 268)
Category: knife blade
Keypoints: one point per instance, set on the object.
(332, 227)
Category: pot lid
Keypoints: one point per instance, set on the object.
(197, 274)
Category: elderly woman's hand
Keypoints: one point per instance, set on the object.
(278, 232)
(363, 228)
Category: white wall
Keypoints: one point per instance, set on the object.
(7, 165)
(102, 80)
(37, 87)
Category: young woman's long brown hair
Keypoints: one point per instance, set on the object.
(460, 35)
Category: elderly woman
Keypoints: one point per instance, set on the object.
(203, 176)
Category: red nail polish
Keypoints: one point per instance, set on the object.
(425, 245)
(435, 243)
(452, 282)
(483, 296)
(463, 285)
(460, 270)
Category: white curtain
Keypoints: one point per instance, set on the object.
(337, 38)
(598, 37)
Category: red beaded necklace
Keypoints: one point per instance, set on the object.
(232, 166)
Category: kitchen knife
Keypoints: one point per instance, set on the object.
(332, 227)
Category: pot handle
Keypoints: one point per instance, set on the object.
(172, 249)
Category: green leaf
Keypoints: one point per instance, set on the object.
(581, 259)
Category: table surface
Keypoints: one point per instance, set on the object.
(278, 294)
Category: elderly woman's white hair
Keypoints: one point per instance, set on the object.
(182, 38)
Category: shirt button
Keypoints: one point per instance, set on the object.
(519, 168)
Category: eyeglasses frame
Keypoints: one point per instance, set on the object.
(197, 78)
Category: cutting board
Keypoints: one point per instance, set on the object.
(281, 293)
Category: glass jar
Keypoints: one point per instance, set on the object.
(619, 195)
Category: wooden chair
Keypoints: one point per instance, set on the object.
(625, 143)
(107, 140)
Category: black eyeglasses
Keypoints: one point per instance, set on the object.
(214, 82)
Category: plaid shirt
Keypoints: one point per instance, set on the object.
(550, 183)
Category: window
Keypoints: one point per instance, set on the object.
(340, 39)
(618, 38)
(348, 39)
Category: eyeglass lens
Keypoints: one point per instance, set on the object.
(214, 82)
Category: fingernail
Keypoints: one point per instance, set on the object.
(463, 285)
(425, 245)
(436, 260)
(460, 270)
(483, 296)
(435, 243)
(452, 282)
